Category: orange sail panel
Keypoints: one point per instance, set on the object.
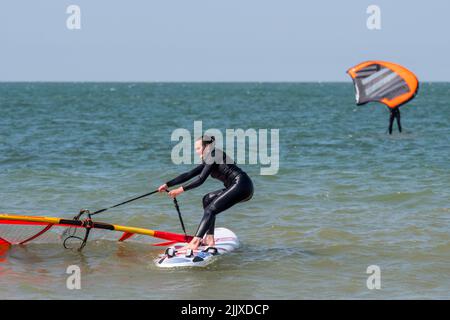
(385, 82)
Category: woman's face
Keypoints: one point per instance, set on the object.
(199, 148)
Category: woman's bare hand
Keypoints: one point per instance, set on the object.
(174, 193)
(162, 188)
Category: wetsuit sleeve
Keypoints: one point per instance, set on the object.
(185, 176)
(200, 178)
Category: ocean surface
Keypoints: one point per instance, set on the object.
(347, 195)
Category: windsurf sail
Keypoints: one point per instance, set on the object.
(19, 229)
(385, 82)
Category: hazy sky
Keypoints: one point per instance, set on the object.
(219, 40)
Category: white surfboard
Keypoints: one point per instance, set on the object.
(226, 241)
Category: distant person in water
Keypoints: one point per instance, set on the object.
(395, 114)
(215, 163)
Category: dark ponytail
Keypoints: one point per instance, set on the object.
(207, 140)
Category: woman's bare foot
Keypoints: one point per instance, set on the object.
(209, 240)
(194, 244)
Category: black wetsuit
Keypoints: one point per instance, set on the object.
(395, 114)
(238, 187)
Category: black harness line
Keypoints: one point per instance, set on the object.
(125, 202)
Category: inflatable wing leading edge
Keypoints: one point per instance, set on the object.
(384, 82)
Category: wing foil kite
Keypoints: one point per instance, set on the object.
(384, 82)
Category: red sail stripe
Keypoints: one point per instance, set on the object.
(37, 234)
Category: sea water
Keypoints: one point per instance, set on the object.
(347, 197)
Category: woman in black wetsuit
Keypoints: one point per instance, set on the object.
(395, 114)
(238, 187)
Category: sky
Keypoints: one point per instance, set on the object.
(219, 40)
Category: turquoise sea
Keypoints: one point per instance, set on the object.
(347, 195)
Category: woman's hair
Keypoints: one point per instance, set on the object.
(206, 140)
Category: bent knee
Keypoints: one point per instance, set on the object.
(206, 200)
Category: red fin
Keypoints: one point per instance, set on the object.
(172, 236)
(125, 236)
(163, 244)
